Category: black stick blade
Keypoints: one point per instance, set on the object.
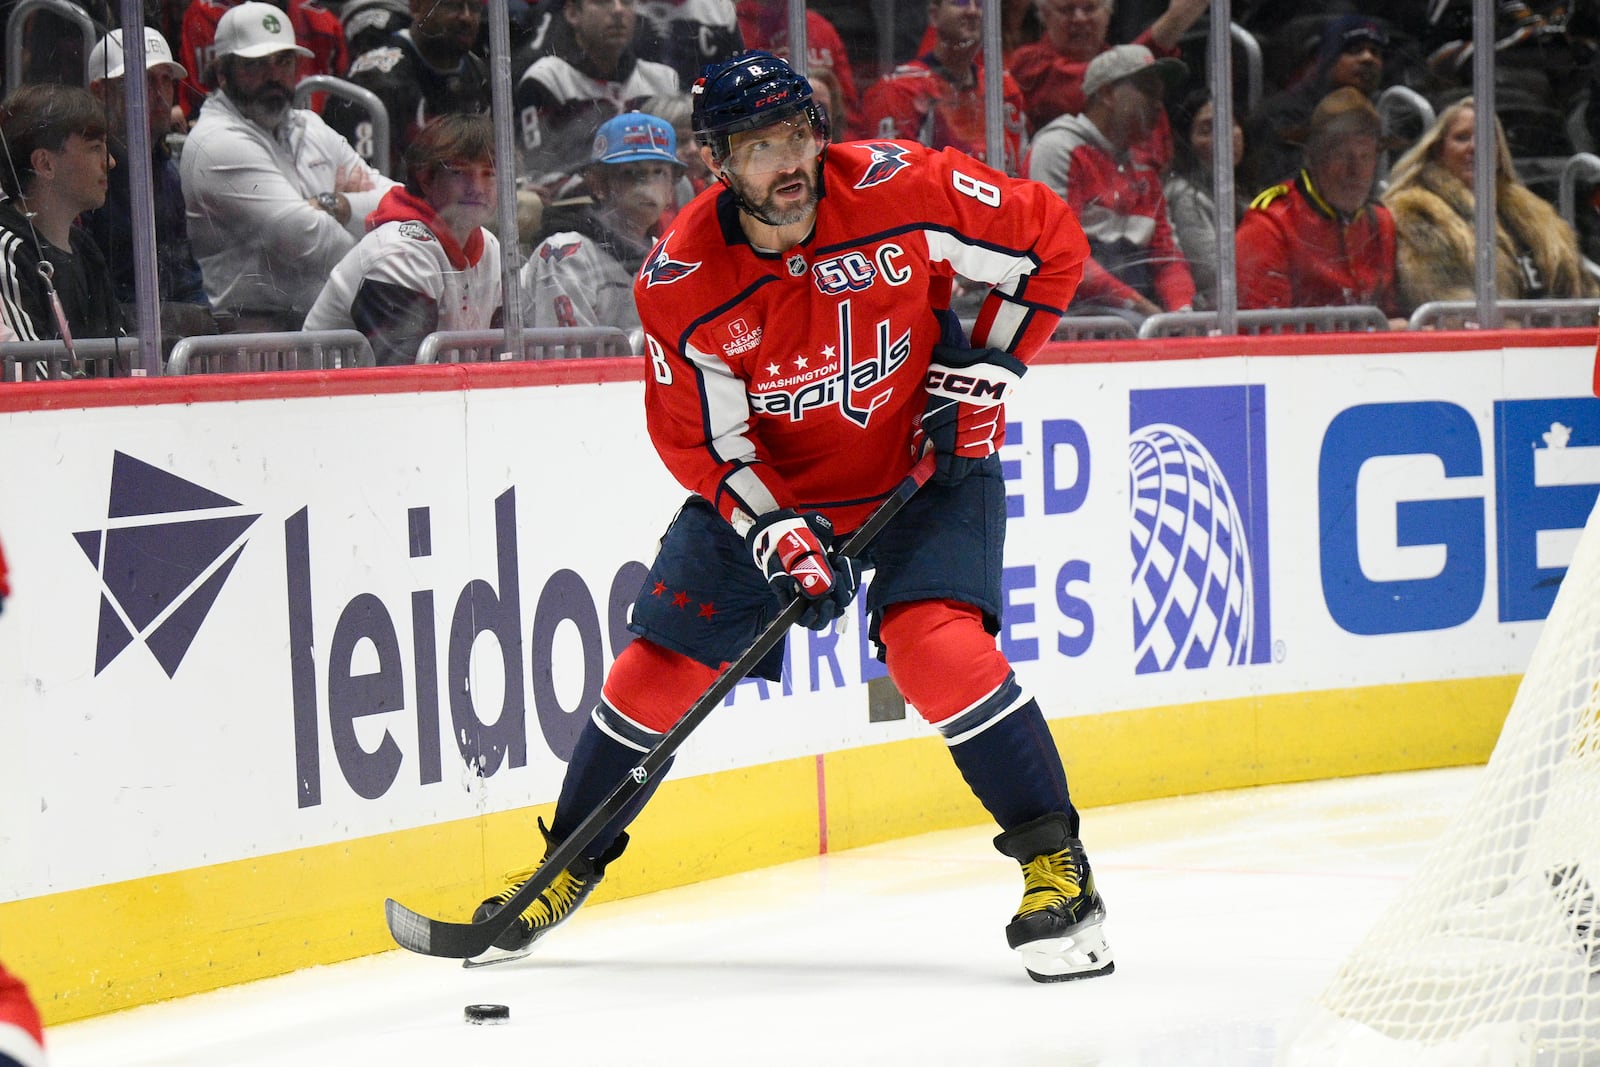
(434, 937)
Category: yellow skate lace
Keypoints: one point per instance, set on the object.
(1046, 880)
(549, 906)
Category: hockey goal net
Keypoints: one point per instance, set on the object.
(1491, 954)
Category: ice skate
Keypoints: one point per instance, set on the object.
(1057, 928)
(549, 909)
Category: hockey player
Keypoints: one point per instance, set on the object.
(797, 361)
(582, 275)
(426, 262)
(21, 1036)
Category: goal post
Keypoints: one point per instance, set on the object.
(1490, 956)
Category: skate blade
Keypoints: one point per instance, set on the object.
(1082, 953)
(493, 955)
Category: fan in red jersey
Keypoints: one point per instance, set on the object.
(800, 357)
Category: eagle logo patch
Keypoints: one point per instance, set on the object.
(888, 159)
(662, 269)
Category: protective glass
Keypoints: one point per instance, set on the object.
(783, 146)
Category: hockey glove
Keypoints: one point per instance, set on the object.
(965, 418)
(792, 551)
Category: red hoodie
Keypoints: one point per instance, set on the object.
(398, 205)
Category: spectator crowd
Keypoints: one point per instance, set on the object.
(278, 210)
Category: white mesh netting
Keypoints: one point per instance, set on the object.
(1491, 954)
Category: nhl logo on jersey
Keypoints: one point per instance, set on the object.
(797, 265)
(415, 230)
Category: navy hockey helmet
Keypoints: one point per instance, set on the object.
(746, 92)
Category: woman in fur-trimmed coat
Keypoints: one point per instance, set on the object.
(1430, 195)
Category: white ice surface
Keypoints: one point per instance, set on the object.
(1228, 912)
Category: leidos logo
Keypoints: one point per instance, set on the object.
(166, 549)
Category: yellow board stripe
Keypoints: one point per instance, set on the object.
(137, 942)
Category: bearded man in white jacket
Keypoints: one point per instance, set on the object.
(274, 196)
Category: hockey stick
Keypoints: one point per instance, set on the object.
(461, 941)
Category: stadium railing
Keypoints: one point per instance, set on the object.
(1094, 328)
(1463, 314)
(96, 357)
(16, 40)
(365, 99)
(1356, 318)
(230, 353)
(489, 346)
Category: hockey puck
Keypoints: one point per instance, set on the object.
(488, 1014)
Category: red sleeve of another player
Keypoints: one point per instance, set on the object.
(21, 1034)
(1020, 237)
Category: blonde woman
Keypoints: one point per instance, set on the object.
(1430, 193)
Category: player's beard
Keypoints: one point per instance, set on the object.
(767, 210)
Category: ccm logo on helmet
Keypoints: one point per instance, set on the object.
(775, 98)
(948, 383)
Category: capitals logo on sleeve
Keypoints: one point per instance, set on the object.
(662, 269)
(551, 252)
(887, 161)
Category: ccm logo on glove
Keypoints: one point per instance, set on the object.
(945, 382)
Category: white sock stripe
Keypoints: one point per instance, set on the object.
(994, 705)
(1000, 716)
(622, 729)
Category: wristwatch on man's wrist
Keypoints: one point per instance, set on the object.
(329, 202)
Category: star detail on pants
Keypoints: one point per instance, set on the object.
(707, 610)
(661, 587)
(680, 600)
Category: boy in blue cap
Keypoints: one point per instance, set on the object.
(582, 274)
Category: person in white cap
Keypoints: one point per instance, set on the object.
(275, 197)
(426, 263)
(582, 274)
(184, 308)
(1135, 267)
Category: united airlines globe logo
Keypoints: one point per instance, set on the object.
(1193, 586)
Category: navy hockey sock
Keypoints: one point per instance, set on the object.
(599, 762)
(1004, 750)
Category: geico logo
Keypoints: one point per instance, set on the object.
(360, 669)
(1405, 503)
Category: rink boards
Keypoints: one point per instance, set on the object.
(282, 645)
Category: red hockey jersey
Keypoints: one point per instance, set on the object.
(791, 379)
